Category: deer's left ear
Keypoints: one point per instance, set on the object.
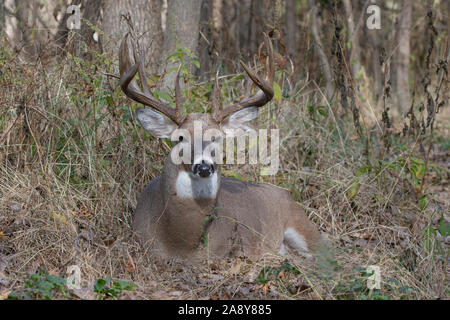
(239, 119)
(155, 123)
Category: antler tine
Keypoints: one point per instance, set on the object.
(265, 94)
(130, 88)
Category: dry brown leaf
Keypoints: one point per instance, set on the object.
(129, 265)
(367, 235)
(54, 273)
(109, 240)
(235, 268)
(4, 294)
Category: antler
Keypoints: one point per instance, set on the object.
(131, 89)
(263, 96)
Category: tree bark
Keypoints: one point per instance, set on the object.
(206, 42)
(403, 55)
(146, 20)
(326, 70)
(81, 40)
(29, 25)
(291, 26)
(353, 35)
(182, 26)
(375, 41)
(2, 16)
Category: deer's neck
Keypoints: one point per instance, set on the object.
(189, 202)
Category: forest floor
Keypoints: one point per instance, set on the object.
(73, 160)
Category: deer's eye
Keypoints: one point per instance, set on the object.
(180, 138)
(213, 139)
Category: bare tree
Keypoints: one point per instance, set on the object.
(353, 33)
(80, 41)
(105, 18)
(30, 25)
(291, 25)
(403, 53)
(182, 27)
(375, 40)
(325, 65)
(146, 21)
(2, 16)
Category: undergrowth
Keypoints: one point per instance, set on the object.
(73, 160)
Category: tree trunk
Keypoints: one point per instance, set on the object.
(80, 42)
(319, 49)
(146, 21)
(353, 35)
(375, 41)
(403, 53)
(291, 26)
(206, 42)
(182, 26)
(2, 16)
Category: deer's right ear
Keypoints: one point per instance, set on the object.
(155, 123)
(239, 119)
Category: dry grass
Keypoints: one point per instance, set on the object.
(69, 184)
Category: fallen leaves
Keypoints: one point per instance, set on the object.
(4, 294)
(129, 264)
(235, 268)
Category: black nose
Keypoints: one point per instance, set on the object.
(203, 169)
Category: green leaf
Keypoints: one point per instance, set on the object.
(124, 285)
(353, 191)
(322, 110)
(233, 174)
(423, 202)
(163, 95)
(204, 239)
(276, 92)
(100, 284)
(196, 63)
(362, 171)
(444, 227)
(110, 101)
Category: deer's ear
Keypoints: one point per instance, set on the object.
(239, 119)
(155, 123)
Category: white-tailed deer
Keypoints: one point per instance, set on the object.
(189, 202)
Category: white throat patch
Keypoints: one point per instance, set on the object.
(190, 186)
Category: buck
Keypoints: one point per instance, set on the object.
(190, 211)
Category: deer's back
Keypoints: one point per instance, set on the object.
(247, 219)
(252, 218)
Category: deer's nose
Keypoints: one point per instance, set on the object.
(203, 169)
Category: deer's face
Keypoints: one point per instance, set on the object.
(198, 139)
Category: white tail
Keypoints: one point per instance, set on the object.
(190, 209)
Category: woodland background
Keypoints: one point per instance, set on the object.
(364, 123)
